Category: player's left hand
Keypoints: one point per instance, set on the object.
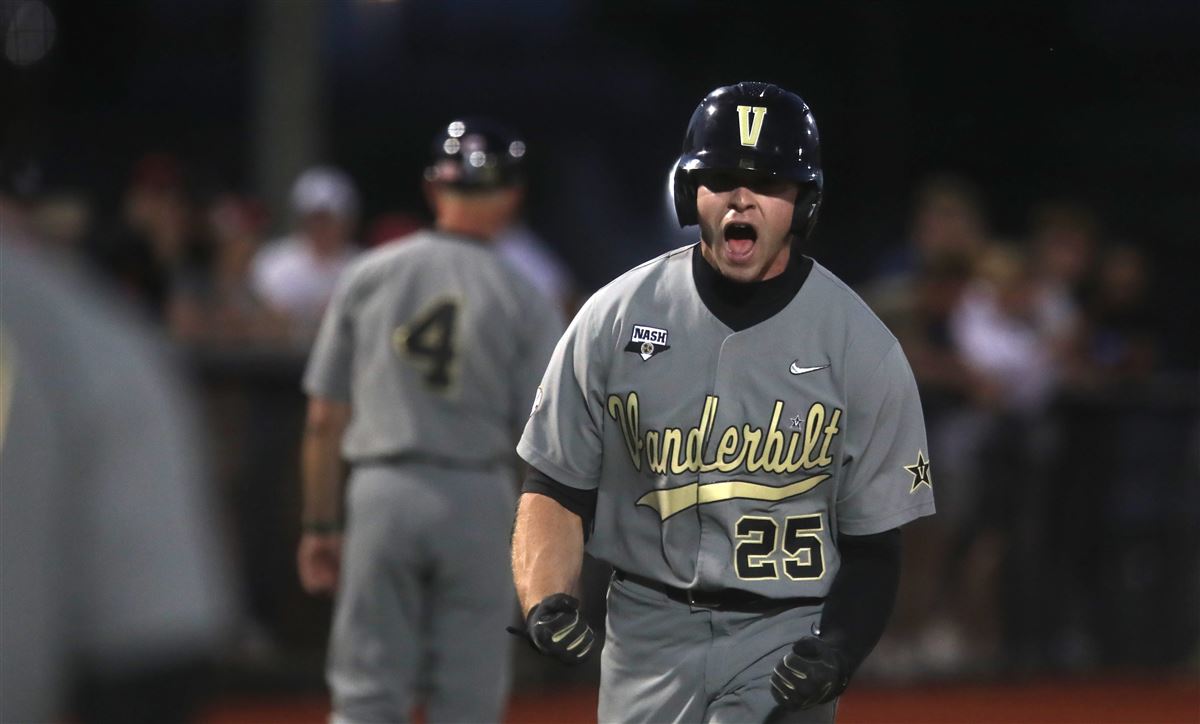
(319, 562)
(813, 673)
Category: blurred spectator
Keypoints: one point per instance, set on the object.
(947, 230)
(63, 222)
(392, 226)
(918, 292)
(922, 324)
(526, 252)
(217, 304)
(948, 221)
(295, 275)
(1007, 332)
(1014, 338)
(1065, 238)
(157, 237)
(113, 583)
(1120, 344)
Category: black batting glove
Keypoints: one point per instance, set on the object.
(557, 629)
(813, 673)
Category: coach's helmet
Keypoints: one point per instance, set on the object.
(476, 154)
(756, 127)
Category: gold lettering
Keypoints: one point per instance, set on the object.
(752, 436)
(830, 431)
(697, 437)
(626, 414)
(729, 444)
(812, 433)
(793, 463)
(673, 450)
(654, 452)
(677, 451)
(773, 450)
(750, 130)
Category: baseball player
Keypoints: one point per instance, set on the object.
(734, 431)
(420, 377)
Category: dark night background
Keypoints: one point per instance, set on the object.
(1090, 101)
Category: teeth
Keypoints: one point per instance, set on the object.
(740, 231)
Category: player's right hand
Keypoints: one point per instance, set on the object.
(319, 561)
(558, 630)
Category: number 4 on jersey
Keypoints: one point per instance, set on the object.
(429, 341)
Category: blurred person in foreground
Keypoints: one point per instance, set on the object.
(422, 373)
(113, 593)
(295, 275)
(56, 222)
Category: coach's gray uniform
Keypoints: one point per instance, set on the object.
(437, 345)
(724, 460)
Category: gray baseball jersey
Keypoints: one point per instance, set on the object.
(727, 459)
(439, 344)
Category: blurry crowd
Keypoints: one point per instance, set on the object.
(1064, 467)
(1063, 486)
(200, 262)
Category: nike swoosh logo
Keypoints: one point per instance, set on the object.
(798, 370)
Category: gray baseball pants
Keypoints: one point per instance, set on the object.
(666, 661)
(425, 593)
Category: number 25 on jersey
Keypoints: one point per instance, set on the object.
(758, 539)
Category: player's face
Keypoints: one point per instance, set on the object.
(745, 222)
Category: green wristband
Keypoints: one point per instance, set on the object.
(318, 527)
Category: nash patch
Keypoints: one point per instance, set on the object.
(647, 341)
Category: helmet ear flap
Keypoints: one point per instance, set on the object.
(684, 188)
(804, 218)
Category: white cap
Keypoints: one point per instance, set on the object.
(324, 188)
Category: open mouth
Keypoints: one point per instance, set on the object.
(739, 239)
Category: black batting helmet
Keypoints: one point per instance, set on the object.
(755, 127)
(476, 154)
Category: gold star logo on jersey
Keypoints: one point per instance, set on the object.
(920, 473)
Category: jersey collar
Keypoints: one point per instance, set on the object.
(740, 305)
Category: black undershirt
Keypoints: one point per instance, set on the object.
(741, 305)
(859, 602)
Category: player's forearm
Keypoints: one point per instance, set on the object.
(321, 463)
(547, 550)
